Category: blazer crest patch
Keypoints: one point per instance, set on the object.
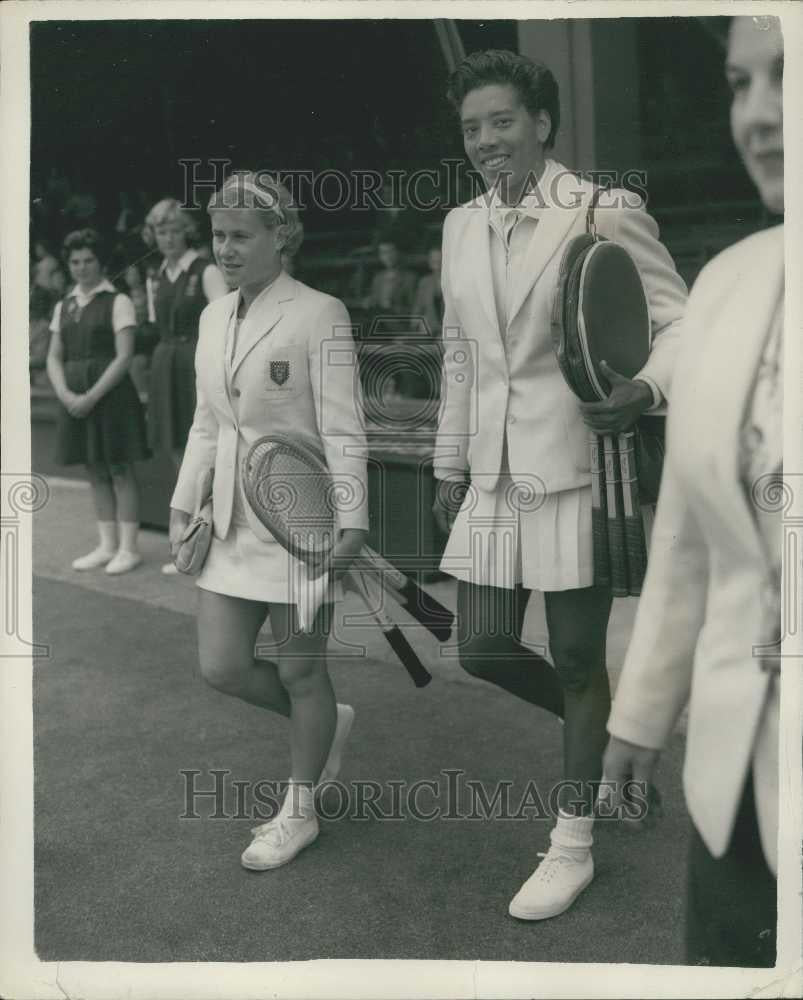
(279, 372)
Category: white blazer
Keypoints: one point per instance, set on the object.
(294, 372)
(703, 609)
(501, 384)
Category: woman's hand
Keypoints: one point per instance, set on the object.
(80, 405)
(179, 519)
(627, 769)
(342, 554)
(626, 402)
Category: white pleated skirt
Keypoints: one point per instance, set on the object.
(242, 565)
(514, 535)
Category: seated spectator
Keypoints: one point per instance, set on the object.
(392, 288)
(44, 267)
(428, 298)
(40, 309)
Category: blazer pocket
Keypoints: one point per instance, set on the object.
(284, 373)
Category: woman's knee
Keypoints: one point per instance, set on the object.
(121, 472)
(301, 673)
(476, 655)
(579, 663)
(99, 474)
(221, 673)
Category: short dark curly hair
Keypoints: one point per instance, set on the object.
(535, 84)
(85, 239)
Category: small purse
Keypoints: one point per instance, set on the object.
(197, 536)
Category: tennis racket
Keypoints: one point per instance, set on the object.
(600, 312)
(289, 488)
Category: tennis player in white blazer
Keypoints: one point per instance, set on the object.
(273, 357)
(709, 618)
(512, 428)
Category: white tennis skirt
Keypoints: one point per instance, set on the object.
(242, 565)
(515, 535)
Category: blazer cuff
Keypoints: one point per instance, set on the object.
(450, 472)
(352, 519)
(641, 732)
(658, 399)
(184, 497)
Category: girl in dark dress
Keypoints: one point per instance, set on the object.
(102, 424)
(177, 295)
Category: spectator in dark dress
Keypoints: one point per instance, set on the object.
(102, 424)
(177, 295)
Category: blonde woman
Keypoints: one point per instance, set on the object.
(177, 295)
(271, 360)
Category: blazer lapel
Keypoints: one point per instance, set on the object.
(261, 318)
(479, 239)
(555, 221)
(742, 328)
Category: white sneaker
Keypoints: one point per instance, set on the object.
(554, 885)
(345, 720)
(279, 841)
(94, 559)
(169, 569)
(123, 562)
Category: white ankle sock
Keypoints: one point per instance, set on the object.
(128, 535)
(107, 531)
(573, 833)
(299, 803)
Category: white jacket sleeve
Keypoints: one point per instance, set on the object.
(457, 379)
(656, 678)
(637, 232)
(334, 373)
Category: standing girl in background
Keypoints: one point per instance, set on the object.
(102, 423)
(177, 296)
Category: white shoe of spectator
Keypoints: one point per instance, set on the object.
(123, 562)
(169, 569)
(93, 560)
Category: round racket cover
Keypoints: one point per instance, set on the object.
(613, 317)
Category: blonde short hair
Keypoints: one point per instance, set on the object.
(170, 210)
(263, 192)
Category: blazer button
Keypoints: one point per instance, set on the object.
(511, 420)
(235, 393)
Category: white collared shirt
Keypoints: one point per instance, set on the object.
(213, 282)
(123, 314)
(512, 229)
(235, 321)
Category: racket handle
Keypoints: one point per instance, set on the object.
(392, 633)
(635, 542)
(402, 648)
(599, 516)
(616, 521)
(433, 615)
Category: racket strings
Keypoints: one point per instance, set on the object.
(292, 497)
